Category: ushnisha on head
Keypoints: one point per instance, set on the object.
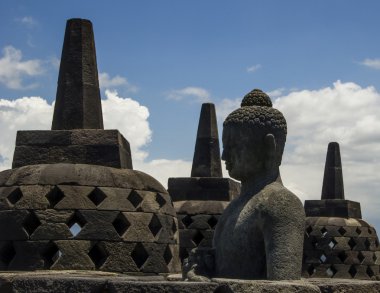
(254, 137)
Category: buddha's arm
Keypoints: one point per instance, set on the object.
(283, 235)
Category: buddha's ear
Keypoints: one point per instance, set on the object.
(270, 151)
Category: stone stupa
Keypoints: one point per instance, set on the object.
(338, 243)
(72, 200)
(199, 200)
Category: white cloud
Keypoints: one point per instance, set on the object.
(13, 69)
(372, 63)
(130, 118)
(346, 113)
(276, 93)
(105, 81)
(27, 21)
(253, 68)
(196, 94)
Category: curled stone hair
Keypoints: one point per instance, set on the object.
(256, 114)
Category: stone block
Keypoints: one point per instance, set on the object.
(81, 146)
(119, 259)
(29, 255)
(98, 225)
(333, 208)
(71, 255)
(74, 197)
(115, 199)
(33, 197)
(194, 207)
(138, 230)
(203, 188)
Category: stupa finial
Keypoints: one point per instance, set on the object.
(78, 104)
(332, 187)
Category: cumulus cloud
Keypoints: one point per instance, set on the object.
(130, 118)
(13, 69)
(346, 113)
(106, 81)
(253, 68)
(196, 94)
(372, 63)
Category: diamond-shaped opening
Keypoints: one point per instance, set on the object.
(121, 224)
(374, 258)
(367, 243)
(358, 230)
(7, 253)
(342, 256)
(369, 230)
(55, 196)
(168, 255)
(331, 271)
(155, 225)
(309, 229)
(311, 270)
(370, 272)
(51, 254)
(361, 257)
(15, 196)
(160, 200)
(212, 222)
(324, 232)
(332, 243)
(187, 220)
(135, 198)
(342, 231)
(376, 242)
(97, 196)
(139, 255)
(351, 243)
(323, 258)
(352, 271)
(76, 223)
(98, 255)
(31, 223)
(198, 237)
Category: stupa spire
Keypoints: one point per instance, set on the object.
(78, 104)
(332, 187)
(206, 161)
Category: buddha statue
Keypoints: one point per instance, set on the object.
(260, 234)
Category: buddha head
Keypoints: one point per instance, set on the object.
(253, 138)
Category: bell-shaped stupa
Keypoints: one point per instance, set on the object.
(72, 200)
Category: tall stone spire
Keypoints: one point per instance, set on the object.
(206, 161)
(78, 104)
(332, 187)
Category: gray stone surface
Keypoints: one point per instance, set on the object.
(55, 216)
(100, 282)
(81, 146)
(78, 103)
(203, 188)
(338, 243)
(260, 234)
(332, 187)
(206, 160)
(333, 208)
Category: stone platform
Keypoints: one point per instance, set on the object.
(102, 282)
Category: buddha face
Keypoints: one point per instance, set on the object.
(243, 154)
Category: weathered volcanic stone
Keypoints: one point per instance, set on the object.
(78, 104)
(81, 146)
(337, 243)
(205, 194)
(206, 161)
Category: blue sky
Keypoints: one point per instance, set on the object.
(170, 56)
